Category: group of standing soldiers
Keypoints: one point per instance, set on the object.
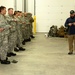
(15, 30)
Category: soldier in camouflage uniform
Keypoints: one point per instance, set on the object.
(13, 32)
(4, 33)
(31, 20)
(27, 25)
(21, 18)
(19, 33)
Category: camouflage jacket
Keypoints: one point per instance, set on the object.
(10, 19)
(4, 24)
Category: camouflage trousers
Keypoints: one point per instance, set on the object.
(23, 33)
(31, 29)
(0, 40)
(3, 46)
(19, 38)
(26, 32)
(12, 41)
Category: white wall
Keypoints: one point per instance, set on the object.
(7, 3)
(19, 5)
(30, 7)
(11, 3)
(52, 12)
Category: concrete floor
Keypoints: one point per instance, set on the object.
(43, 56)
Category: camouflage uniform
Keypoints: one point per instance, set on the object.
(27, 25)
(31, 26)
(4, 37)
(21, 18)
(31, 20)
(19, 32)
(13, 33)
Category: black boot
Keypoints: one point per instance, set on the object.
(32, 36)
(16, 49)
(6, 58)
(26, 40)
(8, 55)
(5, 62)
(11, 54)
(70, 53)
(29, 39)
(23, 42)
(21, 49)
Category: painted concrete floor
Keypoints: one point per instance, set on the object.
(43, 56)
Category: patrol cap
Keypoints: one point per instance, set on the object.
(72, 12)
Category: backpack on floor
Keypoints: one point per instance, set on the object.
(61, 31)
(53, 31)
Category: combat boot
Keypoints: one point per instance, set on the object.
(70, 53)
(5, 62)
(11, 54)
(23, 42)
(29, 39)
(32, 36)
(21, 49)
(16, 49)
